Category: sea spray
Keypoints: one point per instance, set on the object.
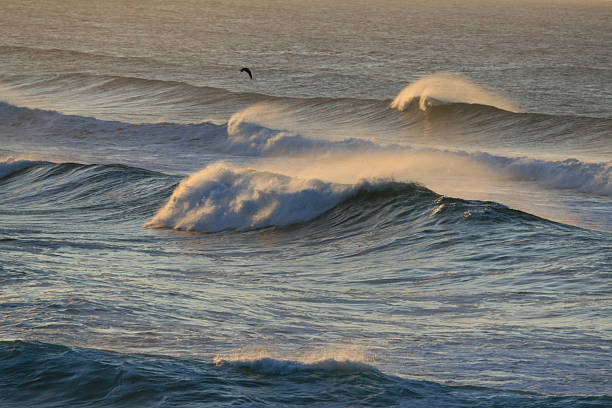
(444, 88)
(223, 197)
(350, 358)
(247, 137)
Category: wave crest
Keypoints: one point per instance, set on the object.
(221, 197)
(11, 165)
(347, 359)
(445, 88)
(247, 135)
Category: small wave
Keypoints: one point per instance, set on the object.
(347, 358)
(247, 138)
(277, 366)
(566, 174)
(443, 88)
(47, 375)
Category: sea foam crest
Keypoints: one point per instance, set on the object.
(247, 135)
(443, 88)
(221, 197)
(348, 359)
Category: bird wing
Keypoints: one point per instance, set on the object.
(248, 71)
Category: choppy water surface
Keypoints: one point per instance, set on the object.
(403, 208)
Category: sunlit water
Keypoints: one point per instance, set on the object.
(408, 205)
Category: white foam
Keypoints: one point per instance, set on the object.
(349, 358)
(567, 174)
(449, 88)
(221, 197)
(250, 138)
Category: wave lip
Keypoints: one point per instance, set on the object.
(10, 166)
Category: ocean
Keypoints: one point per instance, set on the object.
(410, 204)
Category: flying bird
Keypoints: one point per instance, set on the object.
(248, 71)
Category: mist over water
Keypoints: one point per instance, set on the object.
(409, 204)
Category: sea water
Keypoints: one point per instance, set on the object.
(409, 204)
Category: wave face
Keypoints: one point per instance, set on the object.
(96, 191)
(45, 375)
(11, 166)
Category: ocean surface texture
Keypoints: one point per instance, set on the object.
(410, 204)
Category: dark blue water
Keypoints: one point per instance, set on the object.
(39, 374)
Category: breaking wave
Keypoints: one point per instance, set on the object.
(223, 197)
(443, 88)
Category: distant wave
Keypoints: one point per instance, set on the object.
(443, 88)
(246, 138)
(439, 89)
(47, 375)
(246, 132)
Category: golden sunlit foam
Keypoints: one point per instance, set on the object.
(449, 88)
(448, 173)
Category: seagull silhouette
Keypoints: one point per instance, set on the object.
(248, 71)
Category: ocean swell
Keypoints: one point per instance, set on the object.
(45, 375)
